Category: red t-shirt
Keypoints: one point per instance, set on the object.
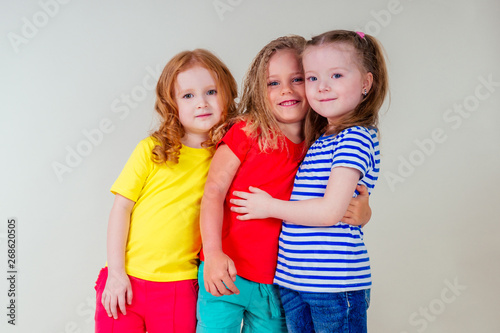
(253, 244)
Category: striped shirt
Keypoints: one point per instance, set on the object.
(329, 259)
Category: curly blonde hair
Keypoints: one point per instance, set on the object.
(254, 106)
(169, 134)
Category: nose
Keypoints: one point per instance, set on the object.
(202, 102)
(286, 88)
(323, 86)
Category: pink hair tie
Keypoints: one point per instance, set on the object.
(361, 34)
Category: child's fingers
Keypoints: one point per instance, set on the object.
(213, 286)
(206, 285)
(245, 217)
(103, 300)
(108, 306)
(215, 291)
(255, 190)
(238, 202)
(349, 212)
(223, 284)
(347, 220)
(231, 269)
(230, 287)
(212, 289)
(239, 194)
(130, 295)
(222, 288)
(105, 304)
(113, 307)
(239, 210)
(363, 190)
(349, 216)
(121, 304)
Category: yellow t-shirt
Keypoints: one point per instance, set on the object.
(164, 237)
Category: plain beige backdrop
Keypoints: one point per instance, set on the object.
(76, 87)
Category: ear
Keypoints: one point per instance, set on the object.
(368, 81)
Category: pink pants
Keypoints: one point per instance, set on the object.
(156, 307)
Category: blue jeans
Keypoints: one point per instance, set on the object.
(343, 312)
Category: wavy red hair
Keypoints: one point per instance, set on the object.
(169, 134)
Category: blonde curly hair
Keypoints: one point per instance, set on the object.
(254, 106)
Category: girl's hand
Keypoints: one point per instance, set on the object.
(254, 205)
(359, 212)
(219, 274)
(115, 292)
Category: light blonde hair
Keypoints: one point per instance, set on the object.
(254, 106)
(169, 134)
(370, 58)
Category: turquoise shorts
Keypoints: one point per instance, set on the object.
(258, 306)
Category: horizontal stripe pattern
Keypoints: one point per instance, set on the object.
(329, 259)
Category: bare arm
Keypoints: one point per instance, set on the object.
(325, 211)
(117, 288)
(219, 270)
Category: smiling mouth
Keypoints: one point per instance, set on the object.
(289, 103)
(327, 99)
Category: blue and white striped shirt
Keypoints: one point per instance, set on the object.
(329, 259)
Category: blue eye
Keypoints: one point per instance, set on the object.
(298, 79)
(187, 96)
(312, 78)
(273, 83)
(212, 92)
(336, 76)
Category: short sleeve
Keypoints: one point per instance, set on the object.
(237, 140)
(131, 180)
(355, 149)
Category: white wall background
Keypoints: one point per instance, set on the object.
(69, 67)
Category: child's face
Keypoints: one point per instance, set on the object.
(197, 100)
(285, 87)
(334, 81)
